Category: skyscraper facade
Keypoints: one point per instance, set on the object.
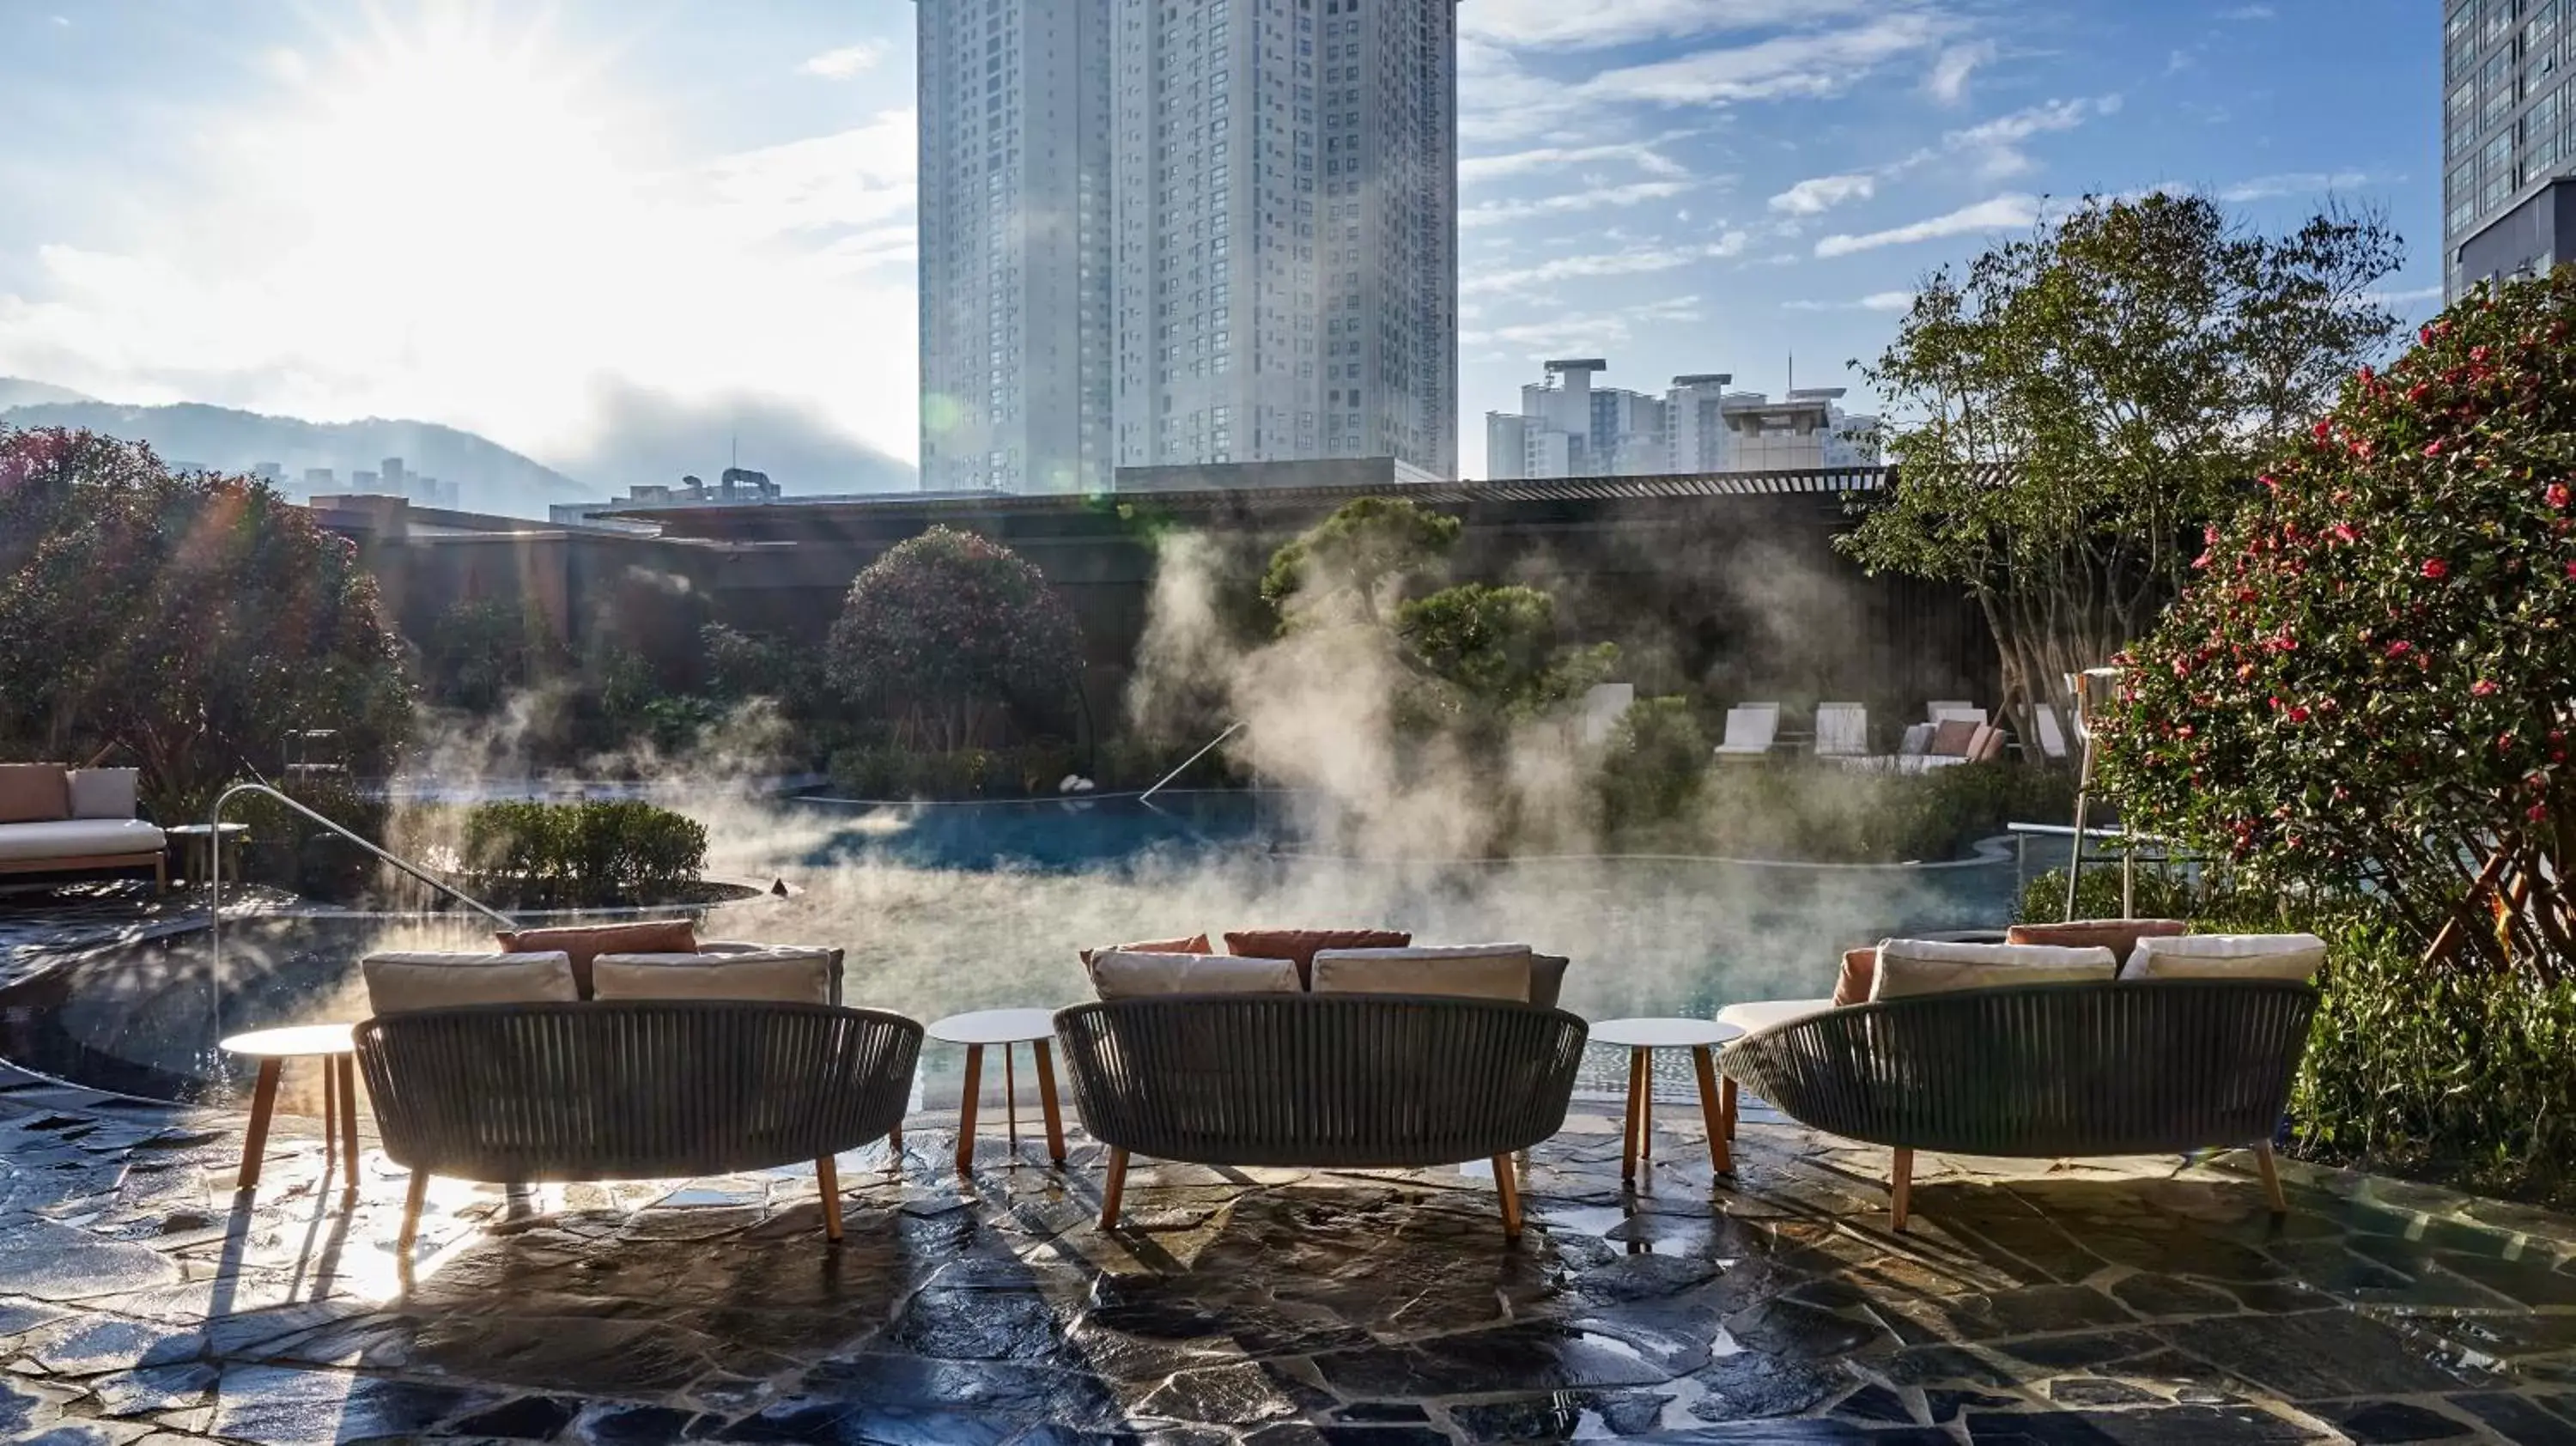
(2508, 140)
(1015, 173)
(1286, 220)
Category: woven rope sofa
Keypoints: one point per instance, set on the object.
(1359, 1081)
(2056, 1070)
(640, 1090)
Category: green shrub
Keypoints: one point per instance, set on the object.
(579, 855)
(1656, 766)
(1796, 809)
(2458, 1075)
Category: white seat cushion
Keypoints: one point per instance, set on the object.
(397, 983)
(1756, 1015)
(1930, 966)
(104, 792)
(786, 976)
(80, 838)
(1466, 971)
(2295, 957)
(1126, 974)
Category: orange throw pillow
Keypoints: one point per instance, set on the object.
(1299, 946)
(35, 792)
(1195, 944)
(586, 942)
(1860, 970)
(2120, 936)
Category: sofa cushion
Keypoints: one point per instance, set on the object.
(80, 838)
(2120, 936)
(1547, 979)
(1467, 971)
(1117, 974)
(398, 983)
(1988, 745)
(104, 792)
(2295, 957)
(34, 793)
(1298, 946)
(586, 942)
(1926, 966)
(1916, 742)
(1851, 985)
(782, 975)
(1755, 1015)
(1951, 737)
(1195, 944)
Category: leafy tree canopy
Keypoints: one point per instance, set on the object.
(1356, 565)
(2068, 412)
(946, 632)
(192, 619)
(2364, 692)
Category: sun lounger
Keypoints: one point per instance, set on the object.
(1750, 730)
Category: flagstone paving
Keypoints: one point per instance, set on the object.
(142, 1300)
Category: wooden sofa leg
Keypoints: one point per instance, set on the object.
(1508, 1186)
(2271, 1177)
(1114, 1189)
(828, 1177)
(1901, 1186)
(414, 1197)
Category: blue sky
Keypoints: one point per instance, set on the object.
(507, 217)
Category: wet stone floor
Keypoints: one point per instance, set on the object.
(143, 1300)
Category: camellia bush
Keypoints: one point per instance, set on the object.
(947, 633)
(2363, 697)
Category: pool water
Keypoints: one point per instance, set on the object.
(945, 908)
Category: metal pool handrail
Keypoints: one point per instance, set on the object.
(215, 875)
(1231, 730)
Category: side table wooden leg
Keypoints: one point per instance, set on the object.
(330, 1120)
(347, 1067)
(1711, 1113)
(1645, 1107)
(1628, 1141)
(966, 1109)
(1045, 1059)
(1011, 1098)
(263, 1101)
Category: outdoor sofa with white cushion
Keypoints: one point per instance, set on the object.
(1398, 1059)
(2047, 1052)
(75, 820)
(496, 1068)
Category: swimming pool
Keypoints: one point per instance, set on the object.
(944, 908)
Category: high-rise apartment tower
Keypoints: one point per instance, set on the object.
(2508, 140)
(1014, 240)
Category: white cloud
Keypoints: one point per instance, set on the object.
(2294, 183)
(1887, 301)
(1492, 213)
(1948, 82)
(847, 61)
(1996, 144)
(1586, 331)
(1819, 194)
(2408, 297)
(2008, 212)
(2249, 12)
(1633, 262)
(1473, 169)
(1584, 23)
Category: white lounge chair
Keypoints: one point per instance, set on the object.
(1937, 709)
(1750, 730)
(2052, 741)
(1944, 712)
(1842, 730)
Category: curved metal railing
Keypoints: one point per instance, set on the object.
(215, 873)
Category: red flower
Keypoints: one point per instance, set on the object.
(2556, 495)
(2483, 688)
(2298, 714)
(2342, 531)
(2571, 569)
(2536, 812)
(2433, 448)
(2424, 334)
(2324, 430)
(2401, 647)
(2436, 569)
(2274, 483)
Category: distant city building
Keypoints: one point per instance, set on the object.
(2508, 140)
(319, 479)
(1172, 232)
(1263, 476)
(268, 471)
(1014, 242)
(1567, 427)
(735, 487)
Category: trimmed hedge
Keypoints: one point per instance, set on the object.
(579, 855)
